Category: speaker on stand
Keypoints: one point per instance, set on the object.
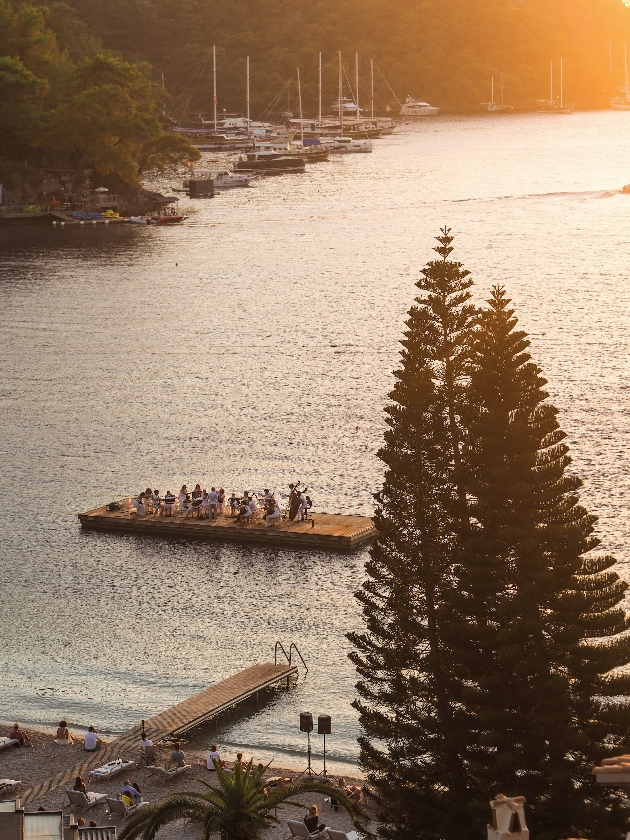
(306, 725)
(323, 728)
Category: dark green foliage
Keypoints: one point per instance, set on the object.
(446, 52)
(531, 596)
(417, 733)
(495, 652)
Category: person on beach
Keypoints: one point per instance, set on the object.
(92, 742)
(145, 742)
(213, 756)
(63, 736)
(19, 735)
(132, 791)
(311, 820)
(178, 756)
(79, 785)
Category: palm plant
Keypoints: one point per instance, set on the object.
(240, 808)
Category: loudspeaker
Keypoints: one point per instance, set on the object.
(306, 722)
(323, 725)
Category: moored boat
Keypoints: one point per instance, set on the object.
(418, 108)
(270, 163)
(347, 145)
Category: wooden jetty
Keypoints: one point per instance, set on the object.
(174, 721)
(322, 530)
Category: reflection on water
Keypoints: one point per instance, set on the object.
(252, 347)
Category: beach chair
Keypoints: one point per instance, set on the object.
(8, 742)
(112, 768)
(299, 830)
(85, 800)
(119, 809)
(161, 773)
(101, 832)
(333, 834)
(9, 784)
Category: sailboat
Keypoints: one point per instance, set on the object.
(494, 106)
(622, 103)
(551, 105)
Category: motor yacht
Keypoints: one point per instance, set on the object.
(418, 108)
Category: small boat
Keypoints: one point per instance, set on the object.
(347, 145)
(271, 163)
(139, 220)
(223, 179)
(496, 106)
(167, 218)
(551, 105)
(418, 108)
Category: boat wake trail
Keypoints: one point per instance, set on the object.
(578, 196)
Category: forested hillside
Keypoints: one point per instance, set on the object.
(444, 52)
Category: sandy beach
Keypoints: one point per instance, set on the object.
(39, 762)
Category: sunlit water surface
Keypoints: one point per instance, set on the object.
(244, 349)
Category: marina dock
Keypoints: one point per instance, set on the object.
(174, 721)
(321, 531)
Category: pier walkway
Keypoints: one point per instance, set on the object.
(172, 722)
(322, 530)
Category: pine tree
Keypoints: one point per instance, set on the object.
(542, 616)
(417, 738)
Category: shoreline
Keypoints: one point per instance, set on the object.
(45, 759)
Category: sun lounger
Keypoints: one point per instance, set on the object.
(299, 830)
(118, 807)
(8, 784)
(8, 742)
(161, 773)
(85, 800)
(333, 834)
(112, 768)
(101, 832)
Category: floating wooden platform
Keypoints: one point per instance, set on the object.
(172, 722)
(325, 530)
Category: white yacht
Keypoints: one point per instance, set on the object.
(346, 106)
(418, 108)
(223, 179)
(346, 145)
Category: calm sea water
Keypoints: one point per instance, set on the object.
(244, 349)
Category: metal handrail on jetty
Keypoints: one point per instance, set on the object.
(288, 656)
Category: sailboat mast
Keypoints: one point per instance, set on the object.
(561, 83)
(300, 107)
(248, 119)
(372, 83)
(320, 88)
(625, 67)
(340, 95)
(502, 92)
(492, 92)
(214, 84)
(356, 81)
(551, 85)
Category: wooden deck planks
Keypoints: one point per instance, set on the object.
(325, 530)
(173, 721)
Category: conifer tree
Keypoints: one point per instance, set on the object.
(543, 624)
(417, 737)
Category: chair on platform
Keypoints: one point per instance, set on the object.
(118, 807)
(299, 830)
(333, 834)
(85, 800)
(161, 773)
